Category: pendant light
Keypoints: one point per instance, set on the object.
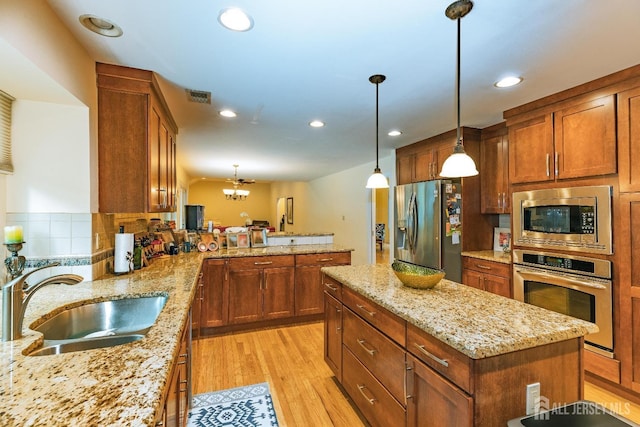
(377, 180)
(459, 164)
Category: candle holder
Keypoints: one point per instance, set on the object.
(15, 263)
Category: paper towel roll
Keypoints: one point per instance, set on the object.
(122, 251)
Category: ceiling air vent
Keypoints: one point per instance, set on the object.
(199, 96)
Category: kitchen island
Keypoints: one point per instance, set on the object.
(121, 385)
(453, 355)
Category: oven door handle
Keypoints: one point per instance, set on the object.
(555, 278)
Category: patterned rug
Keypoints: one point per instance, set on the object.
(249, 406)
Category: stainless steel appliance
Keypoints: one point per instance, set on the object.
(429, 225)
(572, 219)
(573, 285)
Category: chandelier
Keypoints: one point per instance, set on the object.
(236, 193)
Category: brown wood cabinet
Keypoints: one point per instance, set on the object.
(575, 141)
(175, 408)
(333, 334)
(490, 276)
(261, 288)
(433, 401)
(629, 244)
(629, 140)
(214, 293)
(136, 142)
(422, 161)
(309, 289)
(494, 163)
(397, 374)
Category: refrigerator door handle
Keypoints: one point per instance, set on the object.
(413, 213)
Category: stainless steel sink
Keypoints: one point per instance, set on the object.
(99, 325)
(84, 344)
(116, 317)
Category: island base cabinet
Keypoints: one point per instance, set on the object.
(432, 401)
(333, 335)
(372, 399)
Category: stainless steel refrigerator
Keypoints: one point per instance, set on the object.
(428, 229)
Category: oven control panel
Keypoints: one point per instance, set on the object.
(563, 262)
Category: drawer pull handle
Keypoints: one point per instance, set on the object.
(333, 288)
(363, 308)
(436, 358)
(484, 267)
(263, 263)
(371, 351)
(325, 259)
(371, 400)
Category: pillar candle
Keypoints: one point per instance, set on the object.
(13, 234)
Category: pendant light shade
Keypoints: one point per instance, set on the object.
(459, 164)
(377, 180)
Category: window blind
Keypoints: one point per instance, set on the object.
(6, 164)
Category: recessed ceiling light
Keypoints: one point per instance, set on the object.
(102, 26)
(228, 113)
(316, 124)
(394, 132)
(235, 19)
(508, 81)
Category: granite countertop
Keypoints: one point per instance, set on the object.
(477, 323)
(121, 385)
(277, 250)
(490, 256)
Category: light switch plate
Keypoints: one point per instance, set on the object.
(533, 398)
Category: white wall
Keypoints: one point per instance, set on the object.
(51, 157)
(340, 203)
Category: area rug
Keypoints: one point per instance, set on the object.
(249, 406)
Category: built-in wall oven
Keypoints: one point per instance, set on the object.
(573, 285)
(576, 219)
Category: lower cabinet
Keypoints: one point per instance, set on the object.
(490, 276)
(309, 289)
(432, 401)
(214, 293)
(333, 334)
(176, 399)
(261, 288)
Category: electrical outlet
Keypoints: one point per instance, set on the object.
(533, 398)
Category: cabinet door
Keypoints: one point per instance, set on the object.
(629, 140)
(172, 402)
(473, 278)
(163, 168)
(196, 307)
(629, 280)
(424, 166)
(432, 401)
(333, 335)
(154, 195)
(442, 153)
(308, 290)
(215, 306)
(585, 139)
(497, 285)
(278, 291)
(494, 177)
(245, 296)
(404, 169)
(531, 150)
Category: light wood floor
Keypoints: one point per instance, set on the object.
(291, 360)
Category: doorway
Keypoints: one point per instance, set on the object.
(381, 225)
(281, 212)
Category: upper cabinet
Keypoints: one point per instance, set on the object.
(136, 143)
(494, 163)
(629, 139)
(422, 161)
(577, 140)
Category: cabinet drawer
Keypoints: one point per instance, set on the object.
(246, 263)
(445, 359)
(490, 267)
(328, 258)
(381, 356)
(332, 287)
(387, 322)
(373, 400)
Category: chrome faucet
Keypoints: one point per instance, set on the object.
(17, 293)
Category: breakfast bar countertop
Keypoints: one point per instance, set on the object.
(479, 324)
(120, 385)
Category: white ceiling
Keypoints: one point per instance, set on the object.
(311, 59)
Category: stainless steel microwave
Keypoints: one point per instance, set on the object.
(571, 219)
